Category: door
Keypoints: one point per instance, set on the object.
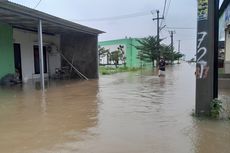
(37, 62)
(17, 60)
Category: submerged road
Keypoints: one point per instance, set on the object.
(135, 112)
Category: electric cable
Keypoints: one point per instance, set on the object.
(181, 28)
(37, 4)
(117, 17)
(164, 8)
(168, 8)
(163, 15)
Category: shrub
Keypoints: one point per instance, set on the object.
(216, 108)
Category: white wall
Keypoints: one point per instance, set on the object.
(27, 40)
(222, 28)
(54, 60)
(111, 48)
(227, 52)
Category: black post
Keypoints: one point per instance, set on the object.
(158, 33)
(179, 46)
(178, 50)
(206, 72)
(216, 42)
(172, 42)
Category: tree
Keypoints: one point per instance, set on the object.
(102, 52)
(121, 51)
(117, 56)
(178, 56)
(148, 51)
(166, 52)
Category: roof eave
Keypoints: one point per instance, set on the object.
(224, 5)
(44, 16)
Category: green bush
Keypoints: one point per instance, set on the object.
(216, 108)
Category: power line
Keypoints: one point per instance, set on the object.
(164, 8)
(37, 4)
(168, 8)
(117, 17)
(163, 13)
(182, 28)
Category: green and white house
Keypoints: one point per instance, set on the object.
(129, 48)
(26, 33)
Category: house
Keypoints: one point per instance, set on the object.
(27, 35)
(221, 53)
(128, 46)
(224, 32)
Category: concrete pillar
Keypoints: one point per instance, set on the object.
(40, 38)
(207, 55)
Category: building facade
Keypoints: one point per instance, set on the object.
(129, 48)
(64, 43)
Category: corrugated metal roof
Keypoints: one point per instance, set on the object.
(26, 18)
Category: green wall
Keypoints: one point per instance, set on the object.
(131, 51)
(6, 50)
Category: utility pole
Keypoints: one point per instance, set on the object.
(179, 46)
(158, 31)
(207, 55)
(178, 51)
(172, 42)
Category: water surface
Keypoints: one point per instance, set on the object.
(134, 112)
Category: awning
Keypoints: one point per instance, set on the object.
(26, 18)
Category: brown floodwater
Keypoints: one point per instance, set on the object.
(134, 112)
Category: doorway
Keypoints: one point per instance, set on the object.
(17, 60)
(37, 61)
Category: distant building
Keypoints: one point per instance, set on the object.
(129, 48)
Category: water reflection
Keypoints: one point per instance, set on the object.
(33, 120)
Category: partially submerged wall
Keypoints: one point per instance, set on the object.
(6, 50)
(27, 40)
(81, 51)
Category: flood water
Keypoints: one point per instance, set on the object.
(123, 113)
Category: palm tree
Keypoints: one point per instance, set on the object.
(166, 52)
(148, 51)
(178, 56)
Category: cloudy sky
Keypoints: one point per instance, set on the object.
(128, 18)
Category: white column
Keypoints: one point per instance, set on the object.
(41, 55)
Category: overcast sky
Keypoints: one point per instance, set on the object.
(131, 18)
